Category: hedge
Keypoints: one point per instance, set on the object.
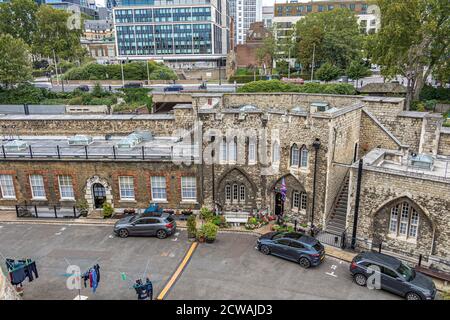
(279, 86)
(131, 71)
(431, 93)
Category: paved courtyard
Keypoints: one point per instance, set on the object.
(230, 268)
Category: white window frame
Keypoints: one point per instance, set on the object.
(303, 157)
(295, 156)
(7, 188)
(232, 151)
(252, 152)
(303, 201)
(228, 193)
(276, 156)
(393, 221)
(235, 193)
(413, 224)
(296, 200)
(126, 188)
(223, 151)
(37, 178)
(188, 189)
(242, 193)
(157, 182)
(404, 221)
(66, 187)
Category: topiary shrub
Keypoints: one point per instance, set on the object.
(108, 210)
(191, 226)
(206, 214)
(210, 231)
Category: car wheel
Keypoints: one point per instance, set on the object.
(360, 279)
(265, 249)
(123, 233)
(304, 262)
(413, 296)
(161, 234)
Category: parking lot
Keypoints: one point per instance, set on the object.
(230, 268)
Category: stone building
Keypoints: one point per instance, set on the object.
(234, 152)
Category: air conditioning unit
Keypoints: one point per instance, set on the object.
(319, 107)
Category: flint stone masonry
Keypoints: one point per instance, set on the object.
(444, 142)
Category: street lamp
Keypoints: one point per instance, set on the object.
(316, 145)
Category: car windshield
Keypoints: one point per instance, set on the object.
(406, 272)
(317, 246)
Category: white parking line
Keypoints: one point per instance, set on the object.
(58, 234)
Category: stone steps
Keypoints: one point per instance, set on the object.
(339, 214)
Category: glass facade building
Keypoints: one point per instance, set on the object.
(172, 30)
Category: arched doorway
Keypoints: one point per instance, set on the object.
(279, 204)
(99, 195)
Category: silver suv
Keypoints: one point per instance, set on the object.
(160, 226)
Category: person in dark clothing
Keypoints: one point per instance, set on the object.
(149, 289)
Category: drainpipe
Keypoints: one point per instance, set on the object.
(357, 199)
(316, 145)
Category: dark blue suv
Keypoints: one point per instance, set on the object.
(293, 246)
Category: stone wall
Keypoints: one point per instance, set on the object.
(380, 190)
(444, 142)
(374, 135)
(431, 130)
(108, 172)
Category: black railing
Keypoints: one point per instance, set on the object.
(35, 211)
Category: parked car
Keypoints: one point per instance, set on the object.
(174, 88)
(83, 87)
(142, 225)
(295, 246)
(395, 276)
(133, 85)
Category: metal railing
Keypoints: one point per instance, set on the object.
(35, 211)
(112, 152)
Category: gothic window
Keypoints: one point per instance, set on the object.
(296, 200)
(228, 192)
(304, 157)
(232, 150)
(251, 151)
(242, 193)
(223, 150)
(404, 221)
(303, 200)
(235, 192)
(295, 156)
(276, 152)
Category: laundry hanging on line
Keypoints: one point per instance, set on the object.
(20, 270)
(93, 276)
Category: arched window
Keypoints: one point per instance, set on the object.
(303, 200)
(304, 157)
(295, 200)
(233, 149)
(235, 193)
(276, 152)
(223, 150)
(251, 151)
(295, 156)
(404, 220)
(228, 192)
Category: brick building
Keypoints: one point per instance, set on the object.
(233, 151)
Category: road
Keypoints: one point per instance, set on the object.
(230, 268)
(224, 87)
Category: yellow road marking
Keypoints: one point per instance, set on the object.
(177, 272)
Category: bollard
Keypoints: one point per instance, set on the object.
(420, 259)
(54, 209)
(379, 248)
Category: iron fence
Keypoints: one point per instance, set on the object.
(35, 211)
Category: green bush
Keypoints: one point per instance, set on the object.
(108, 210)
(138, 97)
(245, 78)
(131, 71)
(206, 214)
(431, 93)
(210, 230)
(191, 226)
(328, 72)
(279, 86)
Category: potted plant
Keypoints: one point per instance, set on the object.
(187, 212)
(200, 234)
(82, 207)
(191, 227)
(206, 214)
(108, 210)
(210, 230)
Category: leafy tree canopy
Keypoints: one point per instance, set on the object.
(18, 18)
(15, 64)
(328, 72)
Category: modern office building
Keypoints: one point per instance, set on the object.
(267, 16)
(287, 14)
(87, 7)
(244, 12)
(185, 33)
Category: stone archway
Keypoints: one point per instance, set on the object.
(89, 192)
(293, 185)
(236, 182)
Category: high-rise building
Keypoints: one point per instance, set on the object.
(267, 16)
(182, 33)
(244, 12)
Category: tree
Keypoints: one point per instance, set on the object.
(357, 70)
(18, 18)
(266, 53)
(333, 36)
(413, 41)
(328, 72)
(53, 36)
(15, 64)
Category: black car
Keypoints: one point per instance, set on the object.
(395, 276)
(294, 246)
(133, 85)
(174, 88)
(83, 88)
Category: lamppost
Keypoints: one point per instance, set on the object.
(121, 69)
(316, 145)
